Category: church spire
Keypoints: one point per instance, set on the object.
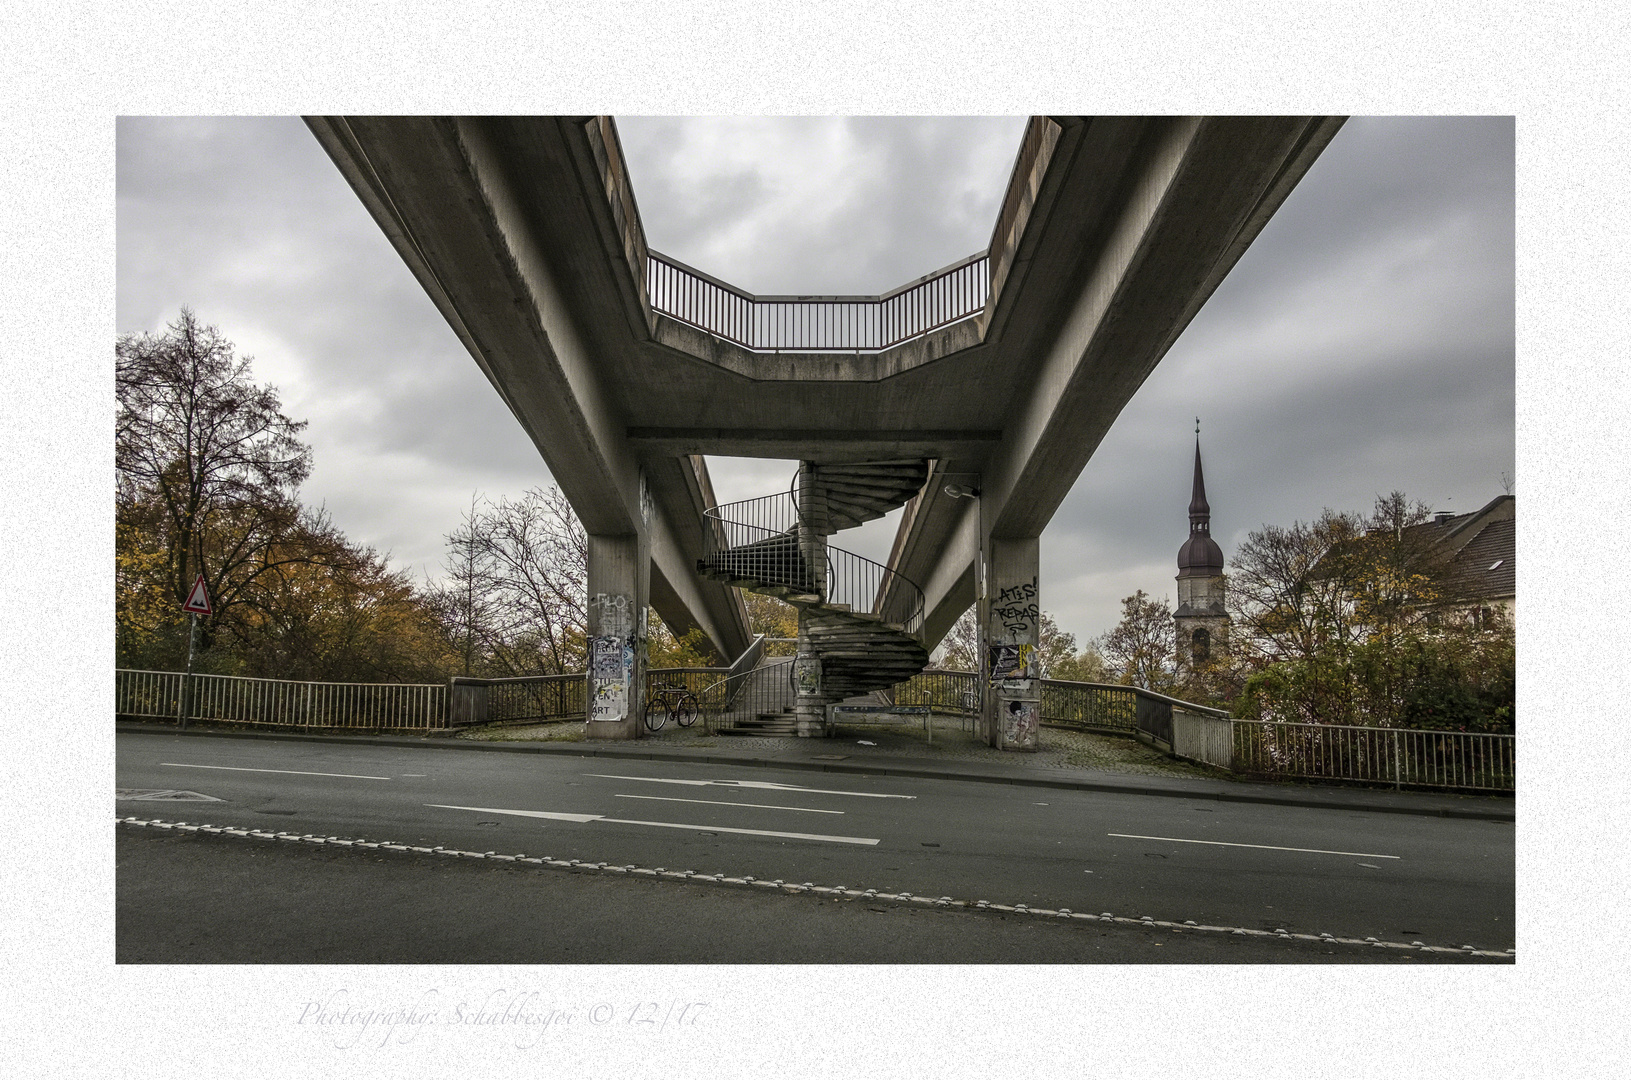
(1200, 514)
(1200, 556)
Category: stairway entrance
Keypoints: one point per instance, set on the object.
(859, 621)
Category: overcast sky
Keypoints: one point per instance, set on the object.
(1364, 344)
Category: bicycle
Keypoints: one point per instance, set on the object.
(670, 701)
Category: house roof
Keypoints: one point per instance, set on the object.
(1479, 551)
(1486, 566)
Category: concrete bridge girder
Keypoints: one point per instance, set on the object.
(445, 192)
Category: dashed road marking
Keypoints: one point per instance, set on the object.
(715, 802)
(663, 824)
(1265, 847)
(761, 785)
(835, 891)
(290, 772)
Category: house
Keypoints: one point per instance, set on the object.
(1477, 554)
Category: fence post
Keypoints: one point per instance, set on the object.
(1397, 786)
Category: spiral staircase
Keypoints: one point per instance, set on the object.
(861, 618)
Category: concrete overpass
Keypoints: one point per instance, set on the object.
(1002, 373)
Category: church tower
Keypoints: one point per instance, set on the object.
(1201, 622)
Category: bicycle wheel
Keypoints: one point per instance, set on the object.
(656, 715)
(686, 710)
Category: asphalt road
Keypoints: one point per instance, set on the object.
(1445, 882)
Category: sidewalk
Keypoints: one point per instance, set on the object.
(1068, 759)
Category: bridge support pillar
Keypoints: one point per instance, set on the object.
(1011, 622)
(811, 705)
(619, 594)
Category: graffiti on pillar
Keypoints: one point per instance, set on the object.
(1019, 723)
(1010, 664)
(608, 678)
(1015, 609)
(807, 674)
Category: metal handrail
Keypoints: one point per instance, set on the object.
(718, 699)
(758, 539)
(818, 323)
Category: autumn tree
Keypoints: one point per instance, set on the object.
(1140, 648)
(665, 649)
(207, 472)
(1056, 656)
(775, 619)
(346, 618)
(1337, 621)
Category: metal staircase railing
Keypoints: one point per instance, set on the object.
(758, 540)
(767, 688)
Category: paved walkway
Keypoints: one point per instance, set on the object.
(1068, 759)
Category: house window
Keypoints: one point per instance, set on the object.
(1200, 644)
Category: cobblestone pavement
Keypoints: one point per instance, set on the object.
(1062, 749)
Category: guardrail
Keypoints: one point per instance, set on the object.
(234, 699)
(818, 323)
(1403, 757)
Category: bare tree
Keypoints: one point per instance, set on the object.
(517, 577)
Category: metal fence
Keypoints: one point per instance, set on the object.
(818, 323)
(1095, 706)
(1402, 757)
(953, 692)
(234, 699)
(1089, 706)
(518, 699)
(762, 691)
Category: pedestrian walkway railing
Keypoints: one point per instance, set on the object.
(1086, 706)
(518, 699)
(818, 323)
(1458, 760)
(279, 702)
(964, 290)
(761, 691)
(1464, 760)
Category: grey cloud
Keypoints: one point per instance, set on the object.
(1364, 342)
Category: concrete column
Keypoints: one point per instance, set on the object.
(619, 593)
(811, 706)
(1012, 623)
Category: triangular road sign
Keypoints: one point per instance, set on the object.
(198, 601)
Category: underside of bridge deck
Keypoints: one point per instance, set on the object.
(624, 367)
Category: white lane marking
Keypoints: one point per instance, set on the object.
(521, 813)
(1265, 847)
(291, 772)
(661, 824)
(748, 832)
(763, 785)
(712, 802)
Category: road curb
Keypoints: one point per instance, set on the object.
(1495, 812)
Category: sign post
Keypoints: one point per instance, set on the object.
(198, 603)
